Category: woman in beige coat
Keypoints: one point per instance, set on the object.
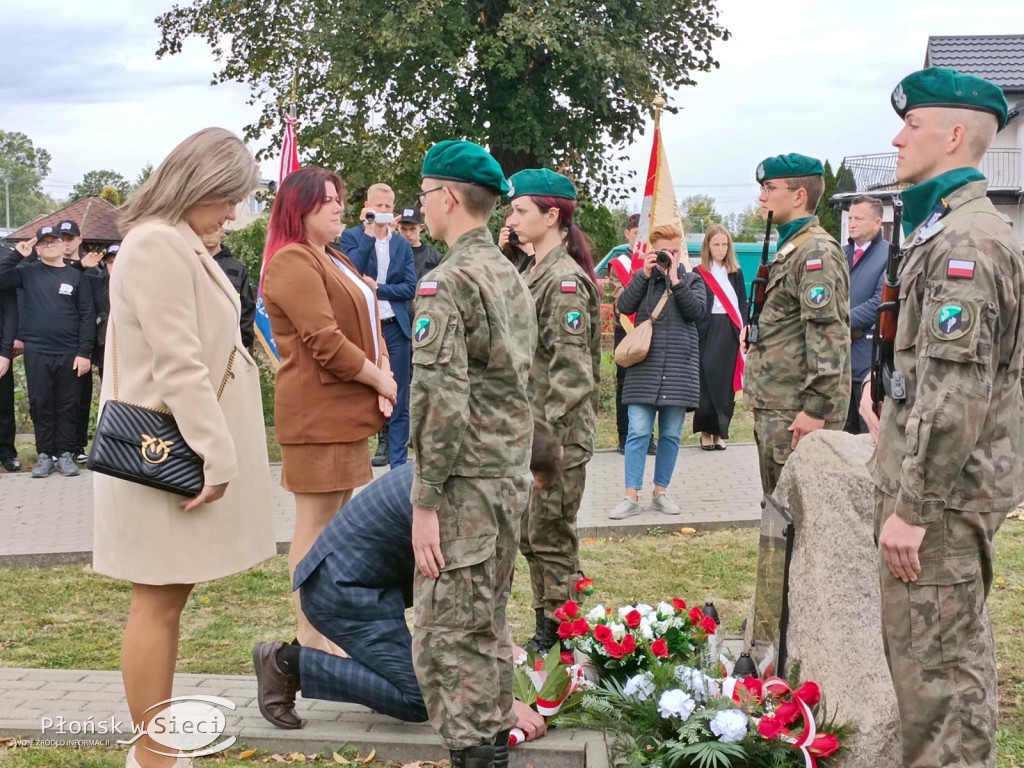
(173, 328)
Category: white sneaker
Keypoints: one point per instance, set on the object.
(666, 506)
(625, 508)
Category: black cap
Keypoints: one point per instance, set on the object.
(112, 250)
(410, 215)
(48, 231)
(69, 227)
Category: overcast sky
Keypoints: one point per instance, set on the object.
(810, 76)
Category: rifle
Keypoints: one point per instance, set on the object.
(885, 379)
(758, 287)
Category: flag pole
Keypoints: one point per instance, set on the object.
(659, 103)
(291, 106)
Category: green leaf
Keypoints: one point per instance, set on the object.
(522, 688)
(707, 754)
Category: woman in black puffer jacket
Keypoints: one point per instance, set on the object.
(667, 382)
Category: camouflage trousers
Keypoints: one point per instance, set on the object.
(461, 645)
(549, 542)
(773, 438)
(938, 641)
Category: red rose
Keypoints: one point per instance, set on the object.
(696, 614)
(679, 605)
(708, 625)
(566, 658)
(560, 614)
(580, 627)
(602, 633)
(565, 630)
(585, 587)
(788, 712)
(628, 644)
(571, 609)
(809, 693)
(659, 648)
(824, 745)
(615, 650)
(771, 727)
(633, 619)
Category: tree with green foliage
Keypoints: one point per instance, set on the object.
(247, 245)
(746, 226)
(599, 224)
(144, 174)
(828, 217)
(699, 213)
(111, 195)
(378, 81)
(22, 170)
(93, 182)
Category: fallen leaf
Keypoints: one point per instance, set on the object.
(247, 754)
(1000, 580)
(297, 757)
(686, 531)
(206, 600)
(275, 759)
(588, 540)
(369, 757)
(341, 760)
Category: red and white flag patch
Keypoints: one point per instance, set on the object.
(812, 264)
(428, 288)
(568, 286)
(960, 268)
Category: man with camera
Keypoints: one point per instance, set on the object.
(388, 261)
(798, 370)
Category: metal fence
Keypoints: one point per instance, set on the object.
(870, 173)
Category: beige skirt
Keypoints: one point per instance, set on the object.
(325, 467)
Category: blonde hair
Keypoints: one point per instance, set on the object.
(664, 232)
(731, 264)
(211, 166)
(379, 187)
(980, 127)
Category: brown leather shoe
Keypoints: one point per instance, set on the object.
(275, 690)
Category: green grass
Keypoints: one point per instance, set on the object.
(68, 617)
(114, 757)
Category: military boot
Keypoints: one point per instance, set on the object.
(534, 642)
(548, 638)
(380, 458)
(501, 749)
(482, 756)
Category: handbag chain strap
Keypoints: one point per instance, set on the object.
(220, 390)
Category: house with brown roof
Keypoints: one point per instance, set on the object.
(96, 218)
(997, 58)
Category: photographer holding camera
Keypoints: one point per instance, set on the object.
(379, 255)
(667, 381)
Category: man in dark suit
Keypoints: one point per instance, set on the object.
(355, 584)
(867, 254)
(8, 334)
(387, 259)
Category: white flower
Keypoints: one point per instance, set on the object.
(595, 614)
(696, 681)
(729, 725)
(645, 629)
(618, 631)
(625, 611)
(665, 610)
(676, 703)
(641, 686)
(644, 610)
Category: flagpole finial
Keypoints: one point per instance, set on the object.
(659, 104)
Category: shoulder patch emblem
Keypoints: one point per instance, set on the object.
(428, 288)
(951, 320)
(568, 286)
(572, 321)
(812, 264)
(960, 268)
(818, 295)
(424, 330)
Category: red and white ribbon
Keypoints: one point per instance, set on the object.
(777, 683)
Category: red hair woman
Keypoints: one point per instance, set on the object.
(334, 386)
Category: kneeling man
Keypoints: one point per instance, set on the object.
(355, 585)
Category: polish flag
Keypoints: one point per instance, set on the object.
(659, 206)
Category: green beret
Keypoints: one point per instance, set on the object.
(787, 167)
(541, 182)
(464, 161)
(943, 87)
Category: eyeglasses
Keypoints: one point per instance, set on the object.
(768, 188)
(49, 242)
(421, 195)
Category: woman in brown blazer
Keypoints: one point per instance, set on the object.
(173, 332)
(334, 385)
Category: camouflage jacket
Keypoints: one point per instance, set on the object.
(955, 442)
(474, 336)
(567, 365)
(802, 358)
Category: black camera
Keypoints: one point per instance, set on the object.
(513, 238)
(664, 259)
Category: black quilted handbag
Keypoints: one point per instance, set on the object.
(144, 445)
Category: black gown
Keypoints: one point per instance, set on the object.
(719, 346)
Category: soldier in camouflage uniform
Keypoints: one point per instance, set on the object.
(474, 336)
(797, 377)
(564, 382)
(948, 465)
